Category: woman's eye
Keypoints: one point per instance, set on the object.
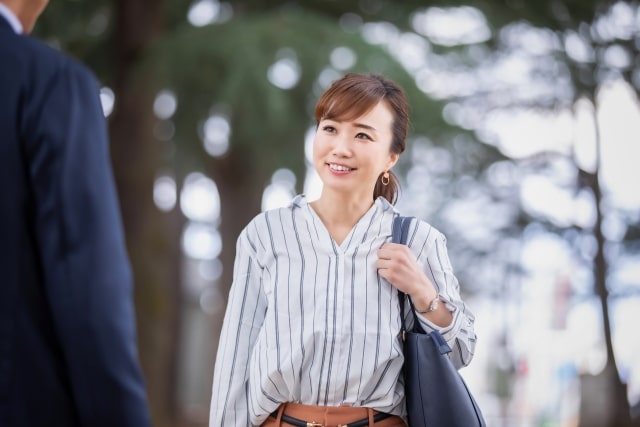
(328, 128)
(363, 136)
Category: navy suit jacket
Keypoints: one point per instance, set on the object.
(68, 353)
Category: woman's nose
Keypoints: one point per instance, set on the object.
(342, 146)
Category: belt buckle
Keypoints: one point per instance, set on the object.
(314, 424)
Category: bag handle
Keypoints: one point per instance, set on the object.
(399, 234)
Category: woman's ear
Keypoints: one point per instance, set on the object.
(393, 159)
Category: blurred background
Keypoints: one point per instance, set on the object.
(524, 146)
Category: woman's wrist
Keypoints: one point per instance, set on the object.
(426, 301)
(433, 306)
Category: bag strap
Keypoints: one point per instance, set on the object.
(399, 234)
(400, 230)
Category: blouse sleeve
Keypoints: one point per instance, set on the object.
(460, 334)
(243, 319)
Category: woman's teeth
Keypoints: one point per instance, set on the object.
(339, 168)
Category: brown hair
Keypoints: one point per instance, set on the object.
(356, 94)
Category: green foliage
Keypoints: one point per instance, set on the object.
(225, 66)
(80, 28)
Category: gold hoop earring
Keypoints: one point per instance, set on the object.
(385, 178)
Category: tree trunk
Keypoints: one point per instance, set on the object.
(604, 401)
(151, 239)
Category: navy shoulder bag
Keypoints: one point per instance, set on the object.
(435, 393)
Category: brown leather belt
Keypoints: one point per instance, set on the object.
(302, 423)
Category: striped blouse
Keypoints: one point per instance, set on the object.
(310, 321)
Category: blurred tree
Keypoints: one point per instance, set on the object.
(593, 43)
(586, 38)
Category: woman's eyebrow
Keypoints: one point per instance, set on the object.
(355, 124)
(365, 126)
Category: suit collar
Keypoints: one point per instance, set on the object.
(9, 19)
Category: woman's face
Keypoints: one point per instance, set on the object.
(349, 156)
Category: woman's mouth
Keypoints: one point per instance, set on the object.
(340, 168)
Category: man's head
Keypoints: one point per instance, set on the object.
(27, 11)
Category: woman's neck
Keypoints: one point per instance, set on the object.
(341, 210)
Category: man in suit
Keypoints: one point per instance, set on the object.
(68, 353)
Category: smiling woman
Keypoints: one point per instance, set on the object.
(363, 109)
(312, 326)
(355, 152)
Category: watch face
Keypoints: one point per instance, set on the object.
(433, 306)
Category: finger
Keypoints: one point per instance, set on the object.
(382, 264)
(384, 253)
(388, 250)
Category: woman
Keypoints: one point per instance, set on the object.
(311, 332)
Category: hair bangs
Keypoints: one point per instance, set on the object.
(345, 103)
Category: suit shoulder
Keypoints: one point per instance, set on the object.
(38, 58)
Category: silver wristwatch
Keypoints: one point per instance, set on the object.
(433, 306)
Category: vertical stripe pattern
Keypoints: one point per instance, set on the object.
(310, 321)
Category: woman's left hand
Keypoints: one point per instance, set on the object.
(398, 265)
